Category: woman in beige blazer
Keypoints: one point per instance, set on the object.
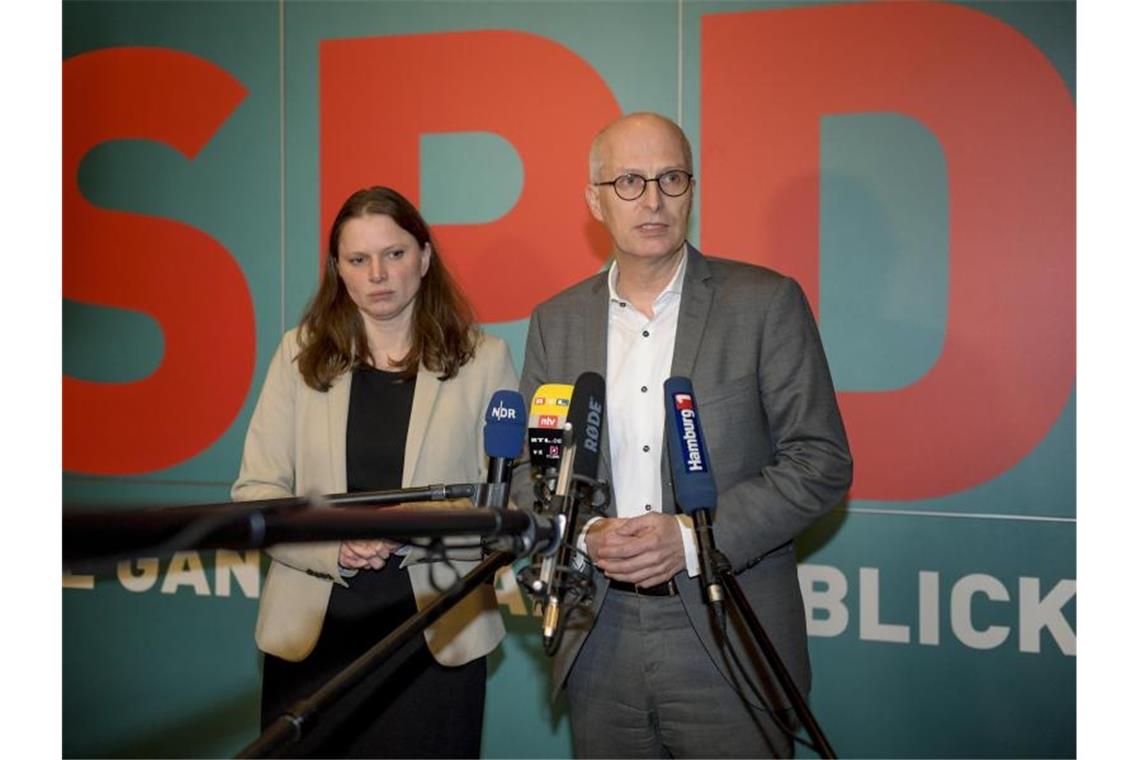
(383, 385)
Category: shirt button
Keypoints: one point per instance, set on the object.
(648, 507)
(644, 389)
(645, 333)
(645, 447)
(621, 304)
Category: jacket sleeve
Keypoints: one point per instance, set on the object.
(810, 466)
(269, 460)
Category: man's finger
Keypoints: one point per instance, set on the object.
(632, 527)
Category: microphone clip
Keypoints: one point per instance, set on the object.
(599, 494)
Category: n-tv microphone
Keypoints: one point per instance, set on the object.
(503, 436)
(579, 462)
(546, 438)
(693, 484)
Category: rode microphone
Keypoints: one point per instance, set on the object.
(579, 463)
(693, 484)
(503, 436)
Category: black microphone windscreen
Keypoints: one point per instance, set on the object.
(587, 411)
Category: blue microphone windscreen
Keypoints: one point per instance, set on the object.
(505, 431)
(693, 483)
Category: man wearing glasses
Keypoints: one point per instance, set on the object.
(646, 672)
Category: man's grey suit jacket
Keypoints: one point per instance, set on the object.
(777, 447)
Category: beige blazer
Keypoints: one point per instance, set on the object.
(296, 445)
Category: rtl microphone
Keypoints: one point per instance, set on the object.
(693, 484)
(503, 436)
(545, 436)
(580, 460)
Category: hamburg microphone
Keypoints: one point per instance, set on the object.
(579, 462)
(693, 484)
(503, 436)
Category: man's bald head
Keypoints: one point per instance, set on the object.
(601, 146)
(650, 227)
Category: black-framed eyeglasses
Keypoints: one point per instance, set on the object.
(630, 187)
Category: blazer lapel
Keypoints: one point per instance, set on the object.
(595, 330)
(337, 399)
(696, 302)
(423, 401)
(594, 320)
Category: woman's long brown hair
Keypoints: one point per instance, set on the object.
(332, 336)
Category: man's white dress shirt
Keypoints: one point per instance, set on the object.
(639, 356)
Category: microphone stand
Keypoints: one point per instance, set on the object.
(768, 651)
(300, 718)
(91, 539)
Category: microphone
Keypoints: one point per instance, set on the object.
(543, 587)
(693, 484)
(579, 462)
(503, 436)
(545, 436)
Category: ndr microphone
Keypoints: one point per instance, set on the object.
(579, 463)
(693, 484)
(503, 436)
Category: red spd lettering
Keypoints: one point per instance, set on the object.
(1006, 124)
(548, 109)
(171, 271)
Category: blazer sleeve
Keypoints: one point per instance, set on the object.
(269, 460)
(810, 466)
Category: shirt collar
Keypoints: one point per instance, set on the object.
(674, 285)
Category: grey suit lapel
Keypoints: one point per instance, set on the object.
(696, 302)
(595, 320)
(595, 330)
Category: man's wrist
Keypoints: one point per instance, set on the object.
(583, 552)
(689, 544)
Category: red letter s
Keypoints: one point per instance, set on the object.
(175, 273)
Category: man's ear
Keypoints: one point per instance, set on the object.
(594, 202)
